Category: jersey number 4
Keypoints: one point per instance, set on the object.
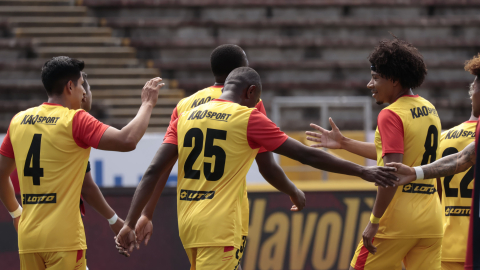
(465, 192)
(32, 162)
(210, 151)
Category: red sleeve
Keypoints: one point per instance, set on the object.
(174, 115)
(87, 130)
(7, 149)
(263, 132)
(391, 131)
(171, 136)
(261, 109)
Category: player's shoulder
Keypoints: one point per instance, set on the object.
(464, 130)
(412, 107)
(198, 98)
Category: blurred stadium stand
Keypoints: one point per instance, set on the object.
(34, 31)
(303, 47)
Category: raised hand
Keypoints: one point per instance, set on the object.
(150, 91)
(405, 173)
(117, 226)
(125, 241)
(143, 230)
(329, 139)
(380, 175)
(298, 200)
(368, 235)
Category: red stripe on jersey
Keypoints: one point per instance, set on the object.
(362, 258)
(79, 255)
(227, 249)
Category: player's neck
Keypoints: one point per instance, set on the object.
(473, 118)
(60, 100)
(230, 96)
(220, 80)
(402, 93)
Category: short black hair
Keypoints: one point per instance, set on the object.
(399, 60)
(243, 77)
(226, 58)
(58, 71)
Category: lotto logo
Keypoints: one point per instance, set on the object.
(457, 211)
(192, 195)
(39, 198)
(419, 188)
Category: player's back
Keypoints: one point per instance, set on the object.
(415, 210)
(51, 168)
(457, 193)
(214, 158)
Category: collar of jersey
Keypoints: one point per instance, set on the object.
(217, 86)
(221, 100)
(471, 121)
(51, 104)
(415, 96)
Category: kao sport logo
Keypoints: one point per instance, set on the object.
(419, 188)
(39, 198)
(192, 195)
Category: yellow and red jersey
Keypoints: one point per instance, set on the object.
(51, 145)
(456, 194)
(201, 97)
(411, 126)
(217, 143)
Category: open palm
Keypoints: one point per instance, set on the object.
(329, 139)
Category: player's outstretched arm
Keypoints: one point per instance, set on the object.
(164, 159)
(127, 138)
(449, 165)
(334, 139)
(94, 197)
(324, 161)
(276, 177)
(384, 197)
(144, 226)
(7, 193)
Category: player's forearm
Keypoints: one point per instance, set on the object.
(164, 160)
(364, 149)
(7, 194)
(384, 197)
(94, 197)
(451, 164)
(318, 158)
(135, 130)
(274, 174)
(152, 203)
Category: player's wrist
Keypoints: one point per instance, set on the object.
(419, 174)
(17, 212)
(113, 219)
(374, 219)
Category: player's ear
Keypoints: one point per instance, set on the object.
(251, 91)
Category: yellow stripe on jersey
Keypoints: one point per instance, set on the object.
(51, 168)
(457, 194)
(214, 158)
(415, 210)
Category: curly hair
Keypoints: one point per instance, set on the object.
(473, 65)
(398, 60)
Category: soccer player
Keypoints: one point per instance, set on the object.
(454, 164)
(50, 145)
(223, 60)
(216, 143)
(90, 191)
(456, 196)
(406, 223)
